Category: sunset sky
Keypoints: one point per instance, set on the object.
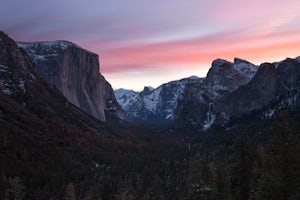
(150, 42)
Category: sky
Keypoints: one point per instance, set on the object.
(148, 43)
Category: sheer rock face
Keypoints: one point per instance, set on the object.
(187, 102)
(75, 72)
(230, 91)
(222, 97)
(21, 85)
(277, 83)
(229, 76)
(195, 110)
(255, 95)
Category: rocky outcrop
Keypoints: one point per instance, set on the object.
(195, 110)
(229, 76)
(254, 95)
(153, 105)
(21, 84)
(235, 90)
(187, 102)
(229, 92)
(274, 84)
(75, 72)
(16, 68)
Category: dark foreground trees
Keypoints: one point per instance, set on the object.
(69, 164)
(280, 173)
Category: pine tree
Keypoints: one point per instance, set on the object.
(126, 191)
(221, 189)
(70, 192)
(241, 168)
(280, 178)
(16, 190)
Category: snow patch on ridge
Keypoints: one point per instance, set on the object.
(62, 44)
(152, 100)
(269, 113)
(245, 68)
(3, 68)
(47, 48)
(22, 85)
(124, 96)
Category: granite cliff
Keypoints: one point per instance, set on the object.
(187, 102)
(29, 104)
(194, 109)
(230, 91)
(274, 85)
(75, 72)
(227, 95)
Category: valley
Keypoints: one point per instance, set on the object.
(65, 134)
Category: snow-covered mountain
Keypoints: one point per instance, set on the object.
(125, 97)
(153, 105)
(230, 91)
(189, 101)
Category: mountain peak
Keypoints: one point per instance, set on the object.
(229, 76)
(147, 90)
(245, 68)
(193, 77)
(219, 62)
(239, 61)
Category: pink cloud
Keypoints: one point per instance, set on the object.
(143, 36)
(198, 50)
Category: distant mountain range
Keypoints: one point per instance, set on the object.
(153, 105)
(230, 91)
(34, 74)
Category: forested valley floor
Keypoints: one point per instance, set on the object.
(149, 163)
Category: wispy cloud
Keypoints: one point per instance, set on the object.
(159, 37)
(199, 50)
